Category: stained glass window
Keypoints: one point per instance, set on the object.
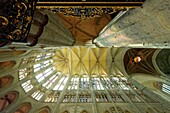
(166, 88)
(50, 81)
(52, 74)
(74, 83)
(60, 85)
(37, 94)
(42, 65)
(97, 84)
(84, 83)
(27, 86)
(44, 74)
(23, 73)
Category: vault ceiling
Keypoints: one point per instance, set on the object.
(139, 61)
(81, 61)
(86, 29)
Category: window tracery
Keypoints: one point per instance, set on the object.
(50, 81)
(116, 97)
(40, 77)
(42, 65)
(27, 60)
(108, 84)
(44, 56)
(27, 86)
(84, 83)
(48, 75)
(74, 83)
(101, 97)
(23, 73)
(52, 97)
(97, 84)
(86, 97)
(60, 85)
(166, 88)
(121, 81)
(50, 78)
(37, 94)
(70, 98)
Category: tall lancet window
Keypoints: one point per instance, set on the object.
(27, 86)
(37, 94)
(97, 84)
(62, 82)
(166, 88)
(84, 83)
(74, 83)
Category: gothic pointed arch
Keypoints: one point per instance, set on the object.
(45, 109)
(7, 64)
(23, 108)
(8, 99)
(5, 81)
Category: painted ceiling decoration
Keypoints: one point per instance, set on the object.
(87, 29)
(139, 61)
(83, 13)
(88, 8)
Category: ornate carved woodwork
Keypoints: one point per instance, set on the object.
(15, 20)
(88, 8)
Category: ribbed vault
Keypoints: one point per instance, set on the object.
(81, 61)
(84, 30)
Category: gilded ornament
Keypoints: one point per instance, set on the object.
(5, 20)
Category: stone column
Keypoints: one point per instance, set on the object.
(147, 25)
